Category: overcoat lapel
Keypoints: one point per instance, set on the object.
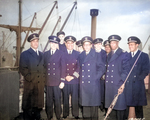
(54, 56)
(33, 53)
(89, 56)
(115, 55)
(133, 59)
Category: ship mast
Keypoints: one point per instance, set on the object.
(18, 43)
(18, 29)
(75, 3)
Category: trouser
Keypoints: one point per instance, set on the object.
(32, 114)
(138, 111)
(53, 96)
(73, 90)
(117, 115)
(102, 84)
(90, 112)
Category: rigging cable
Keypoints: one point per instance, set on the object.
(6, 39)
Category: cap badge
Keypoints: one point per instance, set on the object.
(34, 36)
(113, 37)
(129, 39)
(86, 38)
(70, 38)
(54, 38)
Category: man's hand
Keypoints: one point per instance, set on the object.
(61, 85)
(69, 78)
(120, 90)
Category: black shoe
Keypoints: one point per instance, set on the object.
(60, 119)
(76, 117)
(64, 117)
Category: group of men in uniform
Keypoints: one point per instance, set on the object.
(90, 75)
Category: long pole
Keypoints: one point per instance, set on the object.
(75, 3)
(28, 32)
(47, 18)
(18, 45)
(52, 33)
(3, 48)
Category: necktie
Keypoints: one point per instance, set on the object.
(133, 54)
(52, 52)
(70, 52)
(36, 53)
(112, 52)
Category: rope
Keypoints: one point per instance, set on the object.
(74, 21)
(37, 12)
(26, 7)
(11, 43)
(79, 25)
(6, 39)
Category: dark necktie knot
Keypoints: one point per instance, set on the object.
(133, 54)
(36, 53)
(69, 52)
(112, 52)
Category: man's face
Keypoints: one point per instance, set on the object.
(107, 49)
(133, 47)
(98, 46)
(114, 45)
(53, 45)
(61, 37)
(87, 46)
(34, 43)
(70, 45)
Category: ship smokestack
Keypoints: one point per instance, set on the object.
(94, 14)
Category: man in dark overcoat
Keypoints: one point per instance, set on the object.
(101, 53)
(108, 50)
(71, 80)
(117, 70)
(135, 87)
(54, 64)
(32, 69)
(91, 70)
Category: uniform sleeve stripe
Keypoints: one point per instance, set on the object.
(76, 74)
(63, 79)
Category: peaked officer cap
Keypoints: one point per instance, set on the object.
(87, 39)
(134, 39)
(114, 38)
(54, 39)
(97, 40)
(106, 42)
(33, 37)
(70, 38)
(79, 43)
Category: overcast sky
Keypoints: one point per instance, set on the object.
(123, 17)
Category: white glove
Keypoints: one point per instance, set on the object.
(61, 85)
